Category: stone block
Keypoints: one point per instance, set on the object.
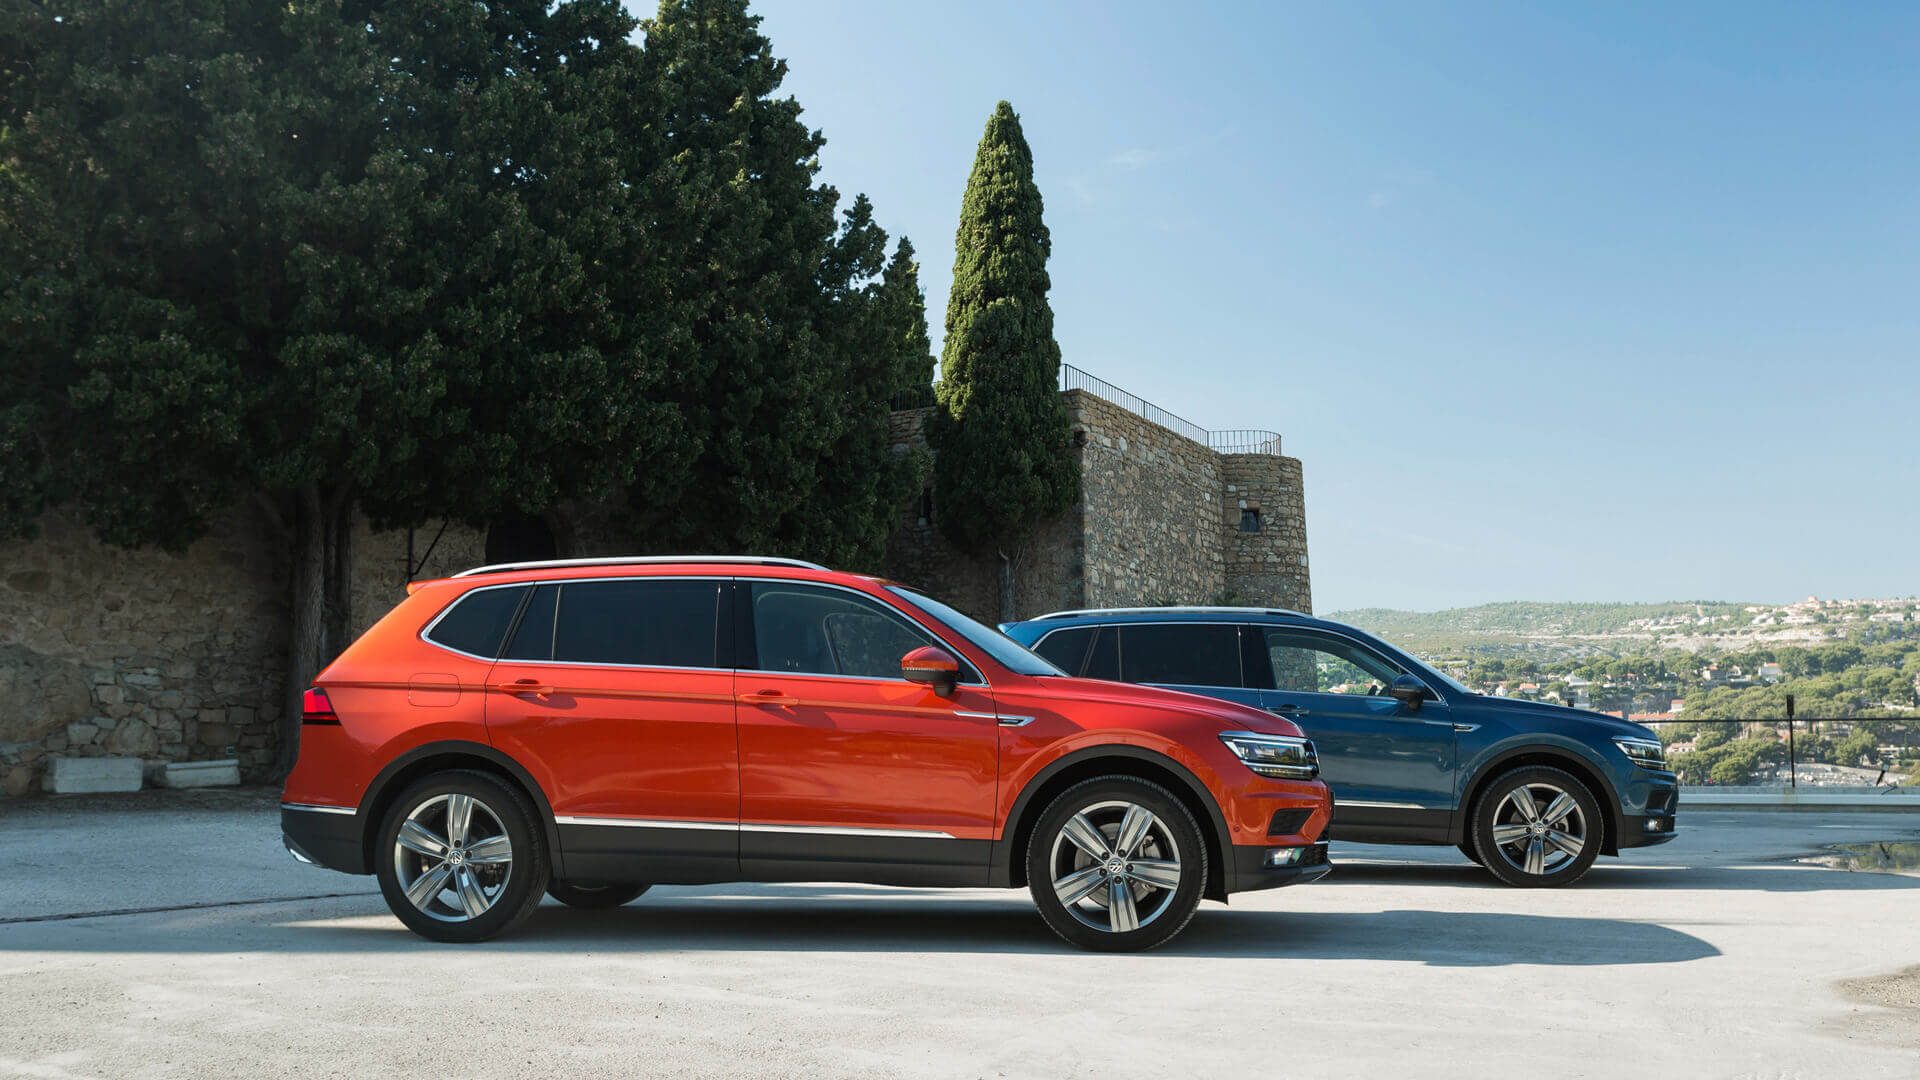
(188, 774)
(81, 734)
(133, 738)
(217, 734)
(76, 776)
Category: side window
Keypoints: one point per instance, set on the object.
(1067, 648)
(807, 630)
(477, 621)
(533, 638)
(1309, 663)
(658, 622)
(1184, 654)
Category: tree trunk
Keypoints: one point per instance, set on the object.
(309, 618)
(1006, 587)
(339, 588)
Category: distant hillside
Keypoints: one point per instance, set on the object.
(1527, 623)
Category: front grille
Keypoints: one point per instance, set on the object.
(1288, 822)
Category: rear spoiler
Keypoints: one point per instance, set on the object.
(416, 586)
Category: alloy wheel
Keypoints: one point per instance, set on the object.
(1539, 829)
(1115, 866)
(453, 857)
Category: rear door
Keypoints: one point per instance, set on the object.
(847, 770)
(1199, 657)
(618, 694)
(1391, 767)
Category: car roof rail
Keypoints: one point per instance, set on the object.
(1210, 608)
(640, 560)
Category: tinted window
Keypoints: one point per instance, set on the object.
(1310, 663)
(1067, 648)
(802, 629)
(1194, 654)
(660, 622)
(1014, 656)
(533, 638)
(477, 621)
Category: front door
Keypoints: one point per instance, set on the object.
(846, 768)
(1390, 766)
(627, 719)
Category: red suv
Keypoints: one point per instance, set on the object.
(590, 728)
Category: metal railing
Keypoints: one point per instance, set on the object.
(1237, 441)
(1786, 742)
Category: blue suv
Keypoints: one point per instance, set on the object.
(1533, 792)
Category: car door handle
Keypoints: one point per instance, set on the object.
(768, 697)
(1289, 710)
(524, 686)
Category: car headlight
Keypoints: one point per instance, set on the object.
(1274, 755)
(1646, 753)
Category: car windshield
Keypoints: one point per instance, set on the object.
(1012, 655)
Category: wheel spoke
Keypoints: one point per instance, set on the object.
(1566, 842)
(1159, 873)
(1523, 802)
(1510, 834)
(492, 850)
(472, 900)
(428, 885)
(1133, 829)
(1536, 856)
(1078, 885)
(1559, 808)
(1085, 837)
(459, 812)
(1121, 914)
(415, 837)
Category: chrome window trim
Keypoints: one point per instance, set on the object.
(1381, 805)
(316, 808)
(754, 827)
(427, 629)
(948, 645)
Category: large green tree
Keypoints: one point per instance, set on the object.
(1000, 433)
(768, 314)
(314, 257)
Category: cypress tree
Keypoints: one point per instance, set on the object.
(906, 314)
(1000, 434)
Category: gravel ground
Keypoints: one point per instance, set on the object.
(1717, 955)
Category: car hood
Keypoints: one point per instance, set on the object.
(1230, 715)
(1611, 725)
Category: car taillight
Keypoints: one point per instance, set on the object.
(316, 708)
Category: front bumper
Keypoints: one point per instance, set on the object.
(1252, 872)
(1655, 822)
(323, 836)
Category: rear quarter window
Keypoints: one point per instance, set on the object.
(1189, 654)
(478, 621)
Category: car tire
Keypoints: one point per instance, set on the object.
(461, 856)
(594, 894)
(1537, 827)
(1467, 849)
(1116, 864)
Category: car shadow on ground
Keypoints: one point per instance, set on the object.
(1781, 874)
(854, 919)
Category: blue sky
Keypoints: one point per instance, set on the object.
(1590, 302)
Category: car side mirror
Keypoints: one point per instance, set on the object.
(1408, 691)
(934, 668)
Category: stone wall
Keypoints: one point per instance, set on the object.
(1269, 567)
(1157, 522)
(1151, 505)
(148, 654)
